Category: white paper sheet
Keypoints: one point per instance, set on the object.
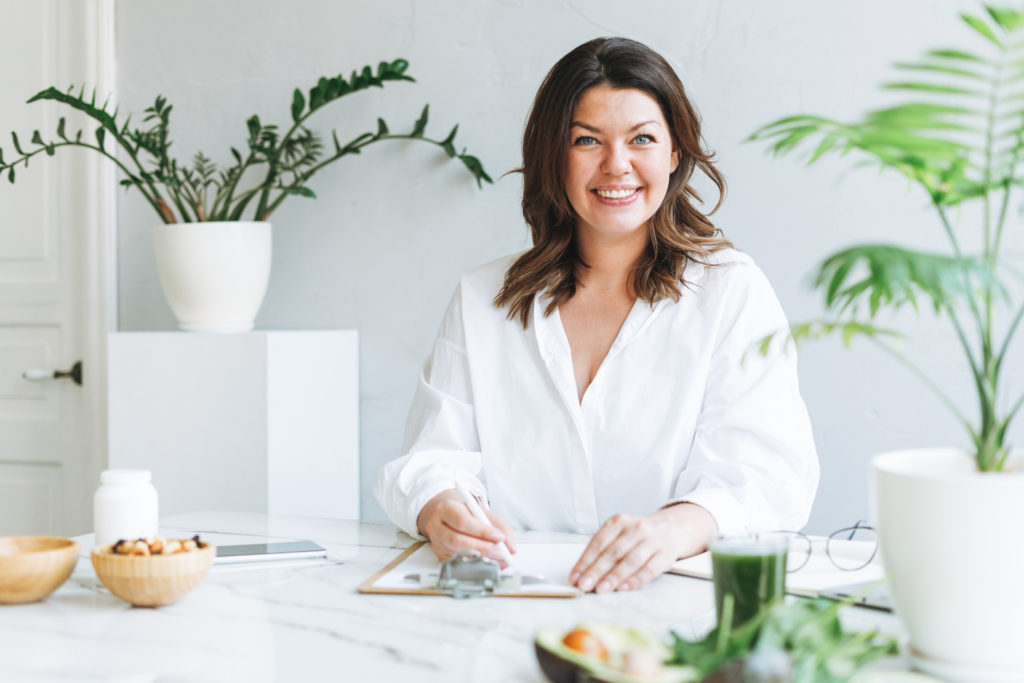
(551, 561)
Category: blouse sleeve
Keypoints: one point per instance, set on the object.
(753, 463)
(441, 443)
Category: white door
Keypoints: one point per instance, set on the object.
(56, 224)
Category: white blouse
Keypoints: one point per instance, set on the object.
(683, 408)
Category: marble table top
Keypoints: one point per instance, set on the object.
(303, 619)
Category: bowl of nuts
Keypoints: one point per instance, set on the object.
(155, 571)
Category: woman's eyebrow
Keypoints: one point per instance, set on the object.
(594, 129)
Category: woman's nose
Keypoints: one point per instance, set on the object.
(616, 160)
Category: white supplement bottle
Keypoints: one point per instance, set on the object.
(125, 506)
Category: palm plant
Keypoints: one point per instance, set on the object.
(959, 136)
(283, 163)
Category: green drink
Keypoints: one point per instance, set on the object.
(752, 569)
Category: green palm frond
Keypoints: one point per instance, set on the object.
(813, 330)
(960, 136)
(882, 274)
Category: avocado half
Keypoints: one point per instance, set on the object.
(562, 664)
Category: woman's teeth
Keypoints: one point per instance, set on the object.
(615, 194)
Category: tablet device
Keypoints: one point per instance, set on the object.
(273, 550)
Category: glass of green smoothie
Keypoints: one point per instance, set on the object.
(751, 567)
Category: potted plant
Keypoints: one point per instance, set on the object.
(213, 247)
(951, 521)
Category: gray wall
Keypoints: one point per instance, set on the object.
(382, 247)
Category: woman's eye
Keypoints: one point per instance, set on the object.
(585, 140)
(643, 139)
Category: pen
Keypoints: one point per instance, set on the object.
(477, 511)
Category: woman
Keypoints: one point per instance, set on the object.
(600, 381)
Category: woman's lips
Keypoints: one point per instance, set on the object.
(617, 196)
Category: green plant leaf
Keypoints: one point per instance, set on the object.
(89, 108)
(878, 274)
(941, 69)
(981, 27)
(10, 174)
(37, 138)
(398, 67)
(421, 122)
(60, 129)
(930, 87)
(100, 135)
(957, 54)
(847, 330)
(253, 124)
(17, 145)
(921, 114)
(1009, 19)
(449, 142)
(476, 168)
(302, 191)
(298, 105)
(382, 128)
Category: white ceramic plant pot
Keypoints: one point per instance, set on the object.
(952, 540)
(214, 274)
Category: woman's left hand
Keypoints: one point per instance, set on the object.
(629, 550)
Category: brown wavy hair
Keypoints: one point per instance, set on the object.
(678, 232)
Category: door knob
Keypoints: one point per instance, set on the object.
(40, 375)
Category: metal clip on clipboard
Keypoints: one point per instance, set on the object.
(468, 574)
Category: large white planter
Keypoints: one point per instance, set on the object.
(952, 541)
(214, 274)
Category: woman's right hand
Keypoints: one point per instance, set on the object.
(451, 527)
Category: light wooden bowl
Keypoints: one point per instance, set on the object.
(32, 567)
(151, 580)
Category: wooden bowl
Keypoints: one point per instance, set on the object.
(151, 580)
(32, 567)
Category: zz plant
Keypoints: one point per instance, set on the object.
(283, 163)
(958, 136)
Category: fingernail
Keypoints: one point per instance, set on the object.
(586, 583)
(603, 587)
(573, 577)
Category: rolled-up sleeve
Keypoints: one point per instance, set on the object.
(752, 463)
(441, 444)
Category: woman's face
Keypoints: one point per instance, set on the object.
(619, 161)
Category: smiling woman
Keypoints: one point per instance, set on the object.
(586, 385)
(619, 163)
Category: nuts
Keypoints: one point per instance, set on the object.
(157, 545)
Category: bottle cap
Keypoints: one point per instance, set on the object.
(125, 477)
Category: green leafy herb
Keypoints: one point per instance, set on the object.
(807, 631)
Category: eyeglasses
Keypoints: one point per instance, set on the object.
(848, 549)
